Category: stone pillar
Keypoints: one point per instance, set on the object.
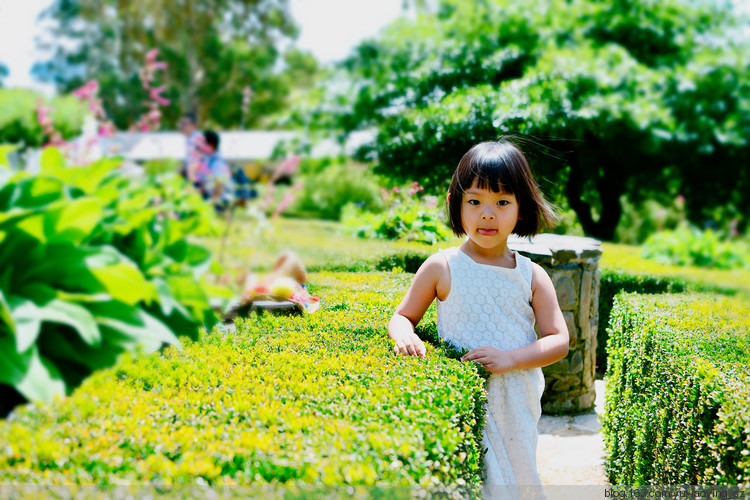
(572, 263)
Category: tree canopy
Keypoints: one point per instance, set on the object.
(632, 98)
(214, 49)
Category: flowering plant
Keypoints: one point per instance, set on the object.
(410, 215)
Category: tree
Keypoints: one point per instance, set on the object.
(624, 98)
(213, 50)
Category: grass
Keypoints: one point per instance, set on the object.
(628, 258)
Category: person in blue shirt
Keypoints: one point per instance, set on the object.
(214, 176)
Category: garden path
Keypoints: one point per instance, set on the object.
(571, 448)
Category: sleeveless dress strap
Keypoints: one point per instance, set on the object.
(523, 264)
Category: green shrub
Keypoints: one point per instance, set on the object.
(677, 390)
(325, 193)
(93, 264)
(692, 247)
(408, 218)
(614, 282)
(641, 220)
(18, 120)
(315, 399)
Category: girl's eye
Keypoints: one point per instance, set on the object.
(474, 202)
(502, 203)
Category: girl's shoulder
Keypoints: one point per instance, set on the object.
(435, 272)
(438, 261)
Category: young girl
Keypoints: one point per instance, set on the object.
(489, 298)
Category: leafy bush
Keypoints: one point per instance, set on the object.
(639, 221)
(93, 264)
(326, 192)
(677, 390)
(316, 399)
(18, 121)
(409, 217)
(612, 283)
(692, 247)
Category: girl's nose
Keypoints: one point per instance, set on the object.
(488, 216)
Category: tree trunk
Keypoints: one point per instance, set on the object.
(610, 186)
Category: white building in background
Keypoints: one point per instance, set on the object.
(252, 150)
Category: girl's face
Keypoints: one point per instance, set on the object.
(488, 217)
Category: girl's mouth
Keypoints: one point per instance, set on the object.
(487, 232)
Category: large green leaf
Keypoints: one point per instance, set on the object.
(51, 161)
(88, 178)
(134, 323)
(32, 192)
(74, 316)
(6, 316)
(28, 322)
(78, 219)
(122, 280)
(29, 373)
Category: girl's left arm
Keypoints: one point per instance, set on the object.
(553, 343)
(554, 340)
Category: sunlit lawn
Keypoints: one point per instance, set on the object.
(628, 258)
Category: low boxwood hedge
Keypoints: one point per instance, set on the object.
(677, 390)
(613, 282)
(314, 399)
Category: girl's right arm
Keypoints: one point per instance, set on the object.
(428, 283)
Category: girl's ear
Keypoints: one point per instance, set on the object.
(448, 199)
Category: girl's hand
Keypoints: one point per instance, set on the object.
(493, 360)
(410, 345)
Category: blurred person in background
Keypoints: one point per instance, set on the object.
(213, 174)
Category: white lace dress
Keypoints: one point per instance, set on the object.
(491, 306)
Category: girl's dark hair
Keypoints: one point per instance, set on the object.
(500, 166)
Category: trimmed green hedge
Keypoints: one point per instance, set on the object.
(677, 390)
(613, 282)
(314, 399)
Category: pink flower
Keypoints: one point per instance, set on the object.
(151, 55)
(154, 115)
(290, 164)
(154, 94)
(87, 90)
(396, 189)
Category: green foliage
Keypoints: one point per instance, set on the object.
(409, 217)
(93, 264)
(315, 399)
(688, 246)
(18, 120)
(327, 191)
(213, 50)
(640, 222)
(641, 99)
(677, 391)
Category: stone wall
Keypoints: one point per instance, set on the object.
(572, 263)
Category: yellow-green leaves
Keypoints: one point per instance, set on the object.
(676, 406)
